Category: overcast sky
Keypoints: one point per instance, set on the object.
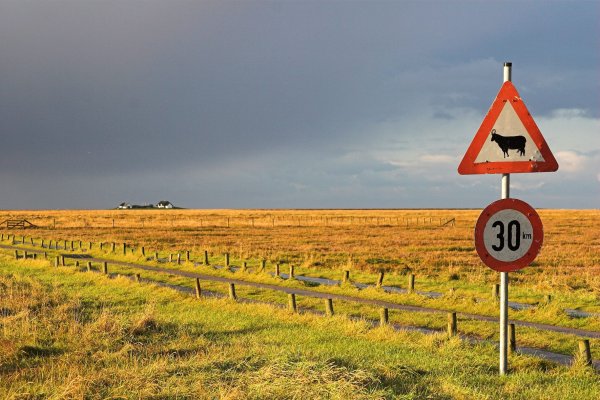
(288, 104)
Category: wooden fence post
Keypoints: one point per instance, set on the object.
(380, 279)
(206, 262)
(512, 339)
(138, 278)
(178, 258)
(383, 316)
(291, 276)
(77, 263)
(244, 266)
(90, 245)
(495, 292)
(452, 329)
(56, 261)
(143, 250)
(292, 302)
(170, 257)
(113, 247)
(16, 254)
(156, 256)
(263, 265)
(62, 261)
(124, 248)
(227, 260)
(89, 265)
(198, 289)
(547, 298)
(105, 267)
(277, 270)
(329, 307)
(101, 245)
(411, 283)
(346, 276)
(187, 255)
(585, 353)
(232, 294)
(72, 246)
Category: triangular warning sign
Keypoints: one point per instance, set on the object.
(508, 140)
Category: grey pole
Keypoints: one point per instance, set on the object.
(504, 275)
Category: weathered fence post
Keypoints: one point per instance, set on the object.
(198, 289)
(56, 261)
(105, 268)
(452, 329)
(585, 354)
(227, 260)
(35, 256)
(170, 257)
(383, 316)
(178, 258)
(90, 245)
(329, 307)
(291, 276)
(124, 248)
(156, 256)
(496, 292)
(113, 247)
(206, 262)
(143, 251)
(232, 294)
(101, 245)
(411, 283)
(77, 263)
(263, 265)
(62, 261)
(244, 266)
(277, 272)
(380, 279)
(187, 255)
(72, 246)
(512, 338)
(346, 276)
(89, 265)
(138, 278)
(292, 302)
(16, 254)
(547, 298)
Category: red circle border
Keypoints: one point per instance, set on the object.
(538, 235)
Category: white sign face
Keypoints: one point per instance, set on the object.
(508, 235)
(509, 140)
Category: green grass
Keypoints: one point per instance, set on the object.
(67, 334)
(550, 314)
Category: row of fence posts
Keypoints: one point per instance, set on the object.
(452, 330)
(345, 277)
(308, 221)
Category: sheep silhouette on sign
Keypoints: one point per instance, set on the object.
(509, 142)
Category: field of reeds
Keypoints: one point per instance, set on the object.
(435, 246)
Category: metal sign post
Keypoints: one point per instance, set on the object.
(504, 275)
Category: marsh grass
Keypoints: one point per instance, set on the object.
(67, 334)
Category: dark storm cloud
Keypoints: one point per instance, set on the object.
(143, 96)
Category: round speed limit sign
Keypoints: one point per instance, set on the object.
(508, 235)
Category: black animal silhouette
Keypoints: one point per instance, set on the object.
(509, 142)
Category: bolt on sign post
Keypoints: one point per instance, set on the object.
(509, 232)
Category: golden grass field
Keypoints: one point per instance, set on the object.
(366, 240)
(68, 333)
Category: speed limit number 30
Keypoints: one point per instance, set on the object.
(508, 235)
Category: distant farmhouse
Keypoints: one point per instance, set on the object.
(164, 204)
(160, 204)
